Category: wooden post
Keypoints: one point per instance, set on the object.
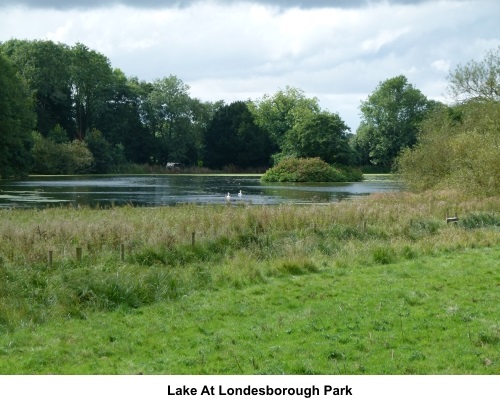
(364, 225)
(79, 254)
(452, 219)
(50, 259)
(122, 252)
(193, 237)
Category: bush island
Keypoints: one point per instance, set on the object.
(309, 170)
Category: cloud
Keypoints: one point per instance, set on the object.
(158, 4)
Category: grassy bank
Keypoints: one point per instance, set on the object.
(303, 278)
(427, 316)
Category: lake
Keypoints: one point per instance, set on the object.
(161, 190)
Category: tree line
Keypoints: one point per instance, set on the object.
(65, 109)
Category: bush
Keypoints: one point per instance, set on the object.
(309, 170)
(50, 157)
(457, 148)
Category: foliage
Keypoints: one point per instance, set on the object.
(390, 119)
(105, 155)
(477, 80)
(280, 112)
(458, 147)
(91, 78)
(233, 138)
(16, 122)
(120, 119)
(308, 170)
(45, 66)
(322, 135)
(50, 157)
(58, 134)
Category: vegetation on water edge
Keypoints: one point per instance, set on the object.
(310, 170)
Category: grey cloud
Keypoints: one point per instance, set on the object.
(88, 4)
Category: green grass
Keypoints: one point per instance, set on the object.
(433, 315)
(358, 280)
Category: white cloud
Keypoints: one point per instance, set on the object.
(441, 65)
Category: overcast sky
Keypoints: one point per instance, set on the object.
(337, 51)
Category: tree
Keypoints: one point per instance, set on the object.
(458, 147)
(233, 138)
(16, 122)
(44, 65)
(169, 116)
(91, 80)
(322, 135)
(104, 154)
(477, 80)
(279, 113)
(119, 119)
(50, 157)
(390, 119)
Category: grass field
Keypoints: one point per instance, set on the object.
(379, 285)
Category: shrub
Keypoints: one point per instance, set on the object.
(457, 148)
(309, 170)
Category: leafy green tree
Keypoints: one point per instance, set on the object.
(45, 66)
(458, 147)
(119, 119)
(322, 135)
(91, 85)
(58, 134)
(390, 119)
(360, 144)
(105, 155)
(233, 138)
(477, 80)
(60, 158)
(280, 112)
(16, 122)
(169, 116)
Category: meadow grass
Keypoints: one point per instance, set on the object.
(380, 284)
(433, 315)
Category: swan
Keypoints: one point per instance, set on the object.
(228, 197)
(240, 194)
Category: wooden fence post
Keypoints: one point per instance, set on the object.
(122, 252)
(79, 254)
(50, 259)
(193, 236)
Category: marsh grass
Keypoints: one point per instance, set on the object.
(240, 248)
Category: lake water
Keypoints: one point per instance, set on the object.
(160, 190)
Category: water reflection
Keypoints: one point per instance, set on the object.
(42, 191)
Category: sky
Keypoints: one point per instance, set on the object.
(338, 51)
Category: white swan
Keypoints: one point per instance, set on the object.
(240, 194)
(228, 197)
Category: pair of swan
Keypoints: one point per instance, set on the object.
(228, 196)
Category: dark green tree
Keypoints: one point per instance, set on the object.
(45, 66)
(390, 119)
(233, 138)
(119, 119)
(91, 85)
(17, 120)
